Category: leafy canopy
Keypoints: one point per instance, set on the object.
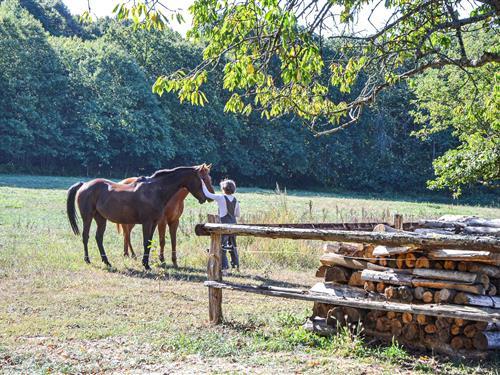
(468, 103)
(273, 51)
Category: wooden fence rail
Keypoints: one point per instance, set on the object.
(400, 238)
(429, 241)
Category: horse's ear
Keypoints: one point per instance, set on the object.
(209, 166)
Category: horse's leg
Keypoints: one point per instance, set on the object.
(99, 236)
(172, 227)
(127, 242)
(126, 239)
(87, 221)
(147, 235)
(130, 243)
(162, 228)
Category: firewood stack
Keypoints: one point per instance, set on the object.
(418, 276)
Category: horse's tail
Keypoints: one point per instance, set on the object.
(118, 228)
(70, 207)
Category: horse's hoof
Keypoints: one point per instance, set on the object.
(125, 255)
(162, 260)
(106, 262)
(87, 260)
(175, 265)
(134, 256)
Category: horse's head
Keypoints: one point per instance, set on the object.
(202, 172)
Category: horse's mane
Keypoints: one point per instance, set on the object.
(163, 172)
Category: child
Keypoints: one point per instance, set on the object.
(229, 210)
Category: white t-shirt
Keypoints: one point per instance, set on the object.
(221, 201)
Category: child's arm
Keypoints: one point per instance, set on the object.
(216, 197)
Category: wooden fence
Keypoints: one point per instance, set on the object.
(329, 232)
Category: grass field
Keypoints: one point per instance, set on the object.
(58, 314)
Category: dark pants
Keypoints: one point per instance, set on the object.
(229, 244)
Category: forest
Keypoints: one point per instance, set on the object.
(76, 99)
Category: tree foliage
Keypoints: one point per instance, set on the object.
(468, 103)
(276, 58)
(73, 104)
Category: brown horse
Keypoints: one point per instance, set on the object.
(140, 203)
(171, 216)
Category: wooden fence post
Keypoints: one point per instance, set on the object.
(398, 221)
(214, 273)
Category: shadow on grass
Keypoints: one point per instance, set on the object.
(199, 275)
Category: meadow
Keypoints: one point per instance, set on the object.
(58, 314)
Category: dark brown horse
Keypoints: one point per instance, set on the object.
(140, 203)
(171, 216)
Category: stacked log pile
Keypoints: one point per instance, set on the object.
(418, 276)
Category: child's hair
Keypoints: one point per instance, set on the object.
(228, 186)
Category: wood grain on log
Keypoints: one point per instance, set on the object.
(442, 284)
(410, 331)
(389, 251)
(422, 319)
(465, 277)
(355, 279)
(344, 248)
(391, 314)
(407, 317)
(491, 271)
(470, 330)
(483, 231)
(396, 327)
(398, 278)
(400, 261)
(427, 296)
(449, 265)
(430, 328)
(462, 266)
(332, 259)
(491, 290)
(381, 228)
(390, 293)
(321, 271)
(387, 277)
(487, 340)
(410, 260)
(418, 292)
(369, 286)
(422, 262)
(475, 300)
(455, 330)
(405, 293)
(337, 274)
(380, 287)
(457, 342)
(465, 255)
